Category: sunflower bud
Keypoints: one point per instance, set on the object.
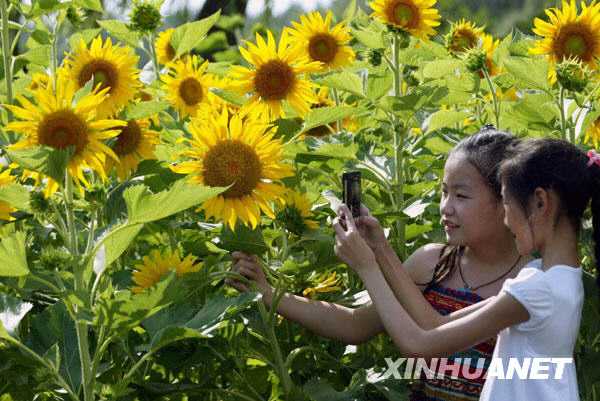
(375, 56)
(53, 258)
(75, 16)
(291, 218)
(145, 17)
(475, 59)
(38, 202)
(572, 75)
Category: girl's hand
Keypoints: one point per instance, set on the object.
(249, 267)
(350, 247)
(370, 229)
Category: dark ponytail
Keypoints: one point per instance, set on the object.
(595, 205)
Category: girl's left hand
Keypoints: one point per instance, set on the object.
(350, 247)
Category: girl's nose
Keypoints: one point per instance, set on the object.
(446, 208)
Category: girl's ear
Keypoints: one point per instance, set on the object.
(540, 204)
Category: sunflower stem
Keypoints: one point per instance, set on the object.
(399, 132)
(154, 58)
(486, 74)
(6, 53)
(561, 107)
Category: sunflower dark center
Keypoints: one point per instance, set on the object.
(190, 91)
(128, 139)
(232, 162)
(403, 13)
(170, 51)
(102, 72)
(463, 40)
(274, 80)
(575, 41)
(62, 129)
(322, 47)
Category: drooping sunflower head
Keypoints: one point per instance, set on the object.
(569, 34)
(240, 152)
(6, 209)
(187, 85)
(165, 52)
(58, 120)
(109, 67)
(157, 264)
(135, 142)
(320, 42)
(418, 17)
(145, 16)
(276, 76)
(463, 35)
(295, 212)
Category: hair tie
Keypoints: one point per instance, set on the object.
(594, 158)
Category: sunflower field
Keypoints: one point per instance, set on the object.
(131, 167)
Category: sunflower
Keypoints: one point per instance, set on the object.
(418, 17)
(58, 120)
(110, 67)
(275, 78)
(187, 85)
(135, 142)
(462, 36)
(592, 134)
(158, 264)
(325, 283)
(569, 35)
(323, 100)
(5, 208)
(38, 80)
(320, 42)
(295, 212)
(164, 49)
(228, 150)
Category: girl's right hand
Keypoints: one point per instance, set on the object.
(370, 229)
(249, 267)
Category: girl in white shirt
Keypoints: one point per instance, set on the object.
(546, 186)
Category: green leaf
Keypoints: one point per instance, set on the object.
(95, 5)
(445, 118)
(38, 55)
(143, 206)
(86, 35)
(325, 115)
(15, 195)
(438, 145)
(202, 324)
(187, 36)
(441, 68)
(113, 244)
(242, 239)
(287, 128)
(350, 11)
(43, 159)
(230, 97)
(329, 151)
(371, 39)
(83, 91)
(414, 230)
(13, 260)
(322, 390)
(379, 85)
(528, 72)
(344, 81)
(3, 332)
(420, 97)
(120, 31)
(145, 109)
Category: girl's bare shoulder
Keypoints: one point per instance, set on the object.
(421, 264)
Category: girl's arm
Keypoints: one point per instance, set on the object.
(406, 291)
(461, 333)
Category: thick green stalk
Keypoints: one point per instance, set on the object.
(154, 58)
(563, 120)
(6, 53)
(398, 147)
(494, 96)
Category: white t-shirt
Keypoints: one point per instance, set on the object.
(554, 300)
